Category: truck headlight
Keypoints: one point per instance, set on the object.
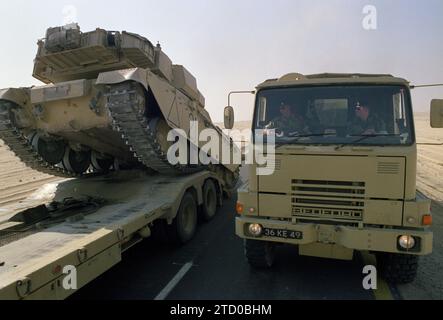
(406, 242)
(255, 229)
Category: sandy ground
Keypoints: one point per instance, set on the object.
(430, 158)
(18, 182)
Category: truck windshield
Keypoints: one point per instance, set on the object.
(344, 115)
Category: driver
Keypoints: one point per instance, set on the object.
(289, 122)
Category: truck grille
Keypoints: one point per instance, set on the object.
(328, 199)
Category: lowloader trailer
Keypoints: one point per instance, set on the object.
(84, 225)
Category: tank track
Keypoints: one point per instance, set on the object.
(138, 132)
(21, 146)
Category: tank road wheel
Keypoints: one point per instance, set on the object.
(77, 162)
(260, 254)
(397, 268)
(52, 151)
(209, 207)
(184, 227)
(101, 163)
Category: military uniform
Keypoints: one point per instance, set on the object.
(359, 126)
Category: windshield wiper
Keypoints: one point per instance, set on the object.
(363, 137)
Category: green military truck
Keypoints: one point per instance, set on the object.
(344, 181)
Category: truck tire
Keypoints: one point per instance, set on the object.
(184, 227)
(397, 268)
(260, 254)
(209, 207)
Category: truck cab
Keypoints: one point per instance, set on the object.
(344, 178)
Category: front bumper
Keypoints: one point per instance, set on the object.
(371, 239)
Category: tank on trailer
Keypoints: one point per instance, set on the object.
(109, 100)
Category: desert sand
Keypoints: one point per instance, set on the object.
(430, 158)
(16, 180)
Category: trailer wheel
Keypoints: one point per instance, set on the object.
(397, 268)
(184, 227)
(260, 254)
(209, 207)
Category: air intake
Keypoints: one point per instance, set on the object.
(388, 168)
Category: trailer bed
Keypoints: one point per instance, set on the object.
(31, 267)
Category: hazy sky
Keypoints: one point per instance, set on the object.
(235, 45)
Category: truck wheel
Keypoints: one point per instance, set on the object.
(397, 268)
(184, 227)
(209, 207)
(260, 254)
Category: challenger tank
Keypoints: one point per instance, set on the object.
(107, 102)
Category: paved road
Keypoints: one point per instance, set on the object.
(219, 271)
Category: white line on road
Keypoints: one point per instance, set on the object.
(174, 282)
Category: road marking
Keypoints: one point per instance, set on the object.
(174, 282)
(383, 292)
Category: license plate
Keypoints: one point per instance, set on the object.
(283, 234)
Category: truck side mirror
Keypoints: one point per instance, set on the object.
(437, 113)
(229, 118)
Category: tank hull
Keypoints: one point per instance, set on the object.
(115, 116)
